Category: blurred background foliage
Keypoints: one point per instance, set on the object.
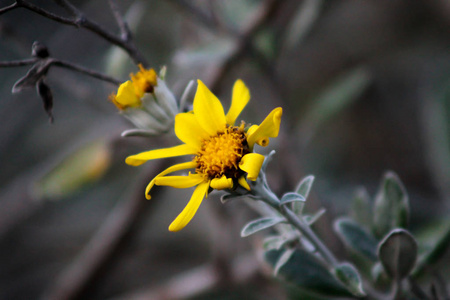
(365, 88)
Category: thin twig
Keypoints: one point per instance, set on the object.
(265, 13)
(86, 71)
(124, 29)
(266, 195)
(80, 20)
(18, 63)
(45, 13)
(68, 7)
(8, 8)
(196, 13)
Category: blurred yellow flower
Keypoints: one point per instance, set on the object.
(223, 152)
(130, 92)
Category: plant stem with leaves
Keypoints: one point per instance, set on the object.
(262, 191)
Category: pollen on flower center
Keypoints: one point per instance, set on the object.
(220, 155)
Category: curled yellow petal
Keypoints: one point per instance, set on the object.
(180, 182)
(251, 163)
(239, 99)
(126, 96)
(191, 208)
(140, 158)
(208, 110)
(268, 128)
(222, 183)
(243, 182)
(174, 168)
(189, 130)
(263, 141)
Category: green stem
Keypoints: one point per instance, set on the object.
(266, 195)
(309, 234)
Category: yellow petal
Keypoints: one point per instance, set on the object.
(189, 130)
(262, 142)
(191, 208)
(239, 99)
(243, 182)
(126, 96)
(251, 163)
(222, 183)
(268, 128)
(174, 168)
(180, 182)
(140, 158)
(208, 110)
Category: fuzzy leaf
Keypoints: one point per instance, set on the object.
(283, 259)
(260, 224)
(303, 189)
(398, 253)
(356, 238)
(439, 246)
(273, 242)
(391, 206)
(291, 198)
(267, 160)
(361, 210)
(311, 219)
(307, 272)
(349, 276)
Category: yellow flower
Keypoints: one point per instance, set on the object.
(130, 92)
(223, 152)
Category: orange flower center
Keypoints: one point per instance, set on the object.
(220, 155)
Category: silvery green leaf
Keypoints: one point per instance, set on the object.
(391, 206)
(282, 260)
(348, 275)
(303, 188)
(260, 224)
(308, 272)
(398, 253)
(361, 210)
(276, 242)
(165, 98)
(267, 160)
(152, 105)
(233, 196)
(311, 219)
(273, 242)
(438, 244)
(184, 97)
(356, 238)
(140, 132)
(379, 275)
(291, 198)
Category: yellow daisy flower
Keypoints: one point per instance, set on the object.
(223, 153)
(130, 92)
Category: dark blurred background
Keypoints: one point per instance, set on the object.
(365, 88)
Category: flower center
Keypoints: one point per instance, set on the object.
(220, 155)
